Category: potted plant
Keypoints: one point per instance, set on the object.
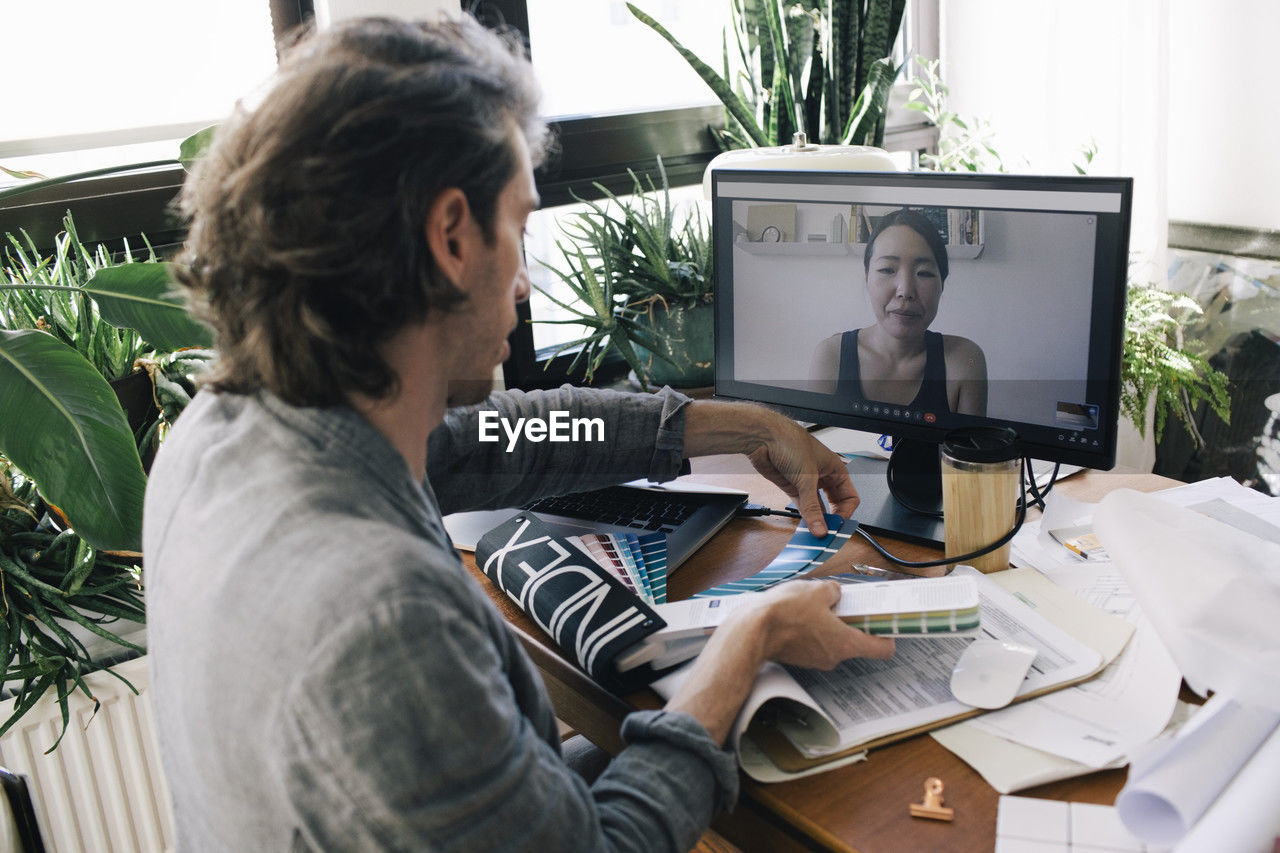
(640, 273)
(823, 68)
(1161, 364)
(71, 474)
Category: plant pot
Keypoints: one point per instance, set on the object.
(137, 398)
(686, 339)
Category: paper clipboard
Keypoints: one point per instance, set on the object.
(1107, 637)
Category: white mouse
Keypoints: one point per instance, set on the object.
(989, 672)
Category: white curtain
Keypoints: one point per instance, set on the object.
(1053, 78)
(328, 11)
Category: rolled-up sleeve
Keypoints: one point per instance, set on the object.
(612, 437)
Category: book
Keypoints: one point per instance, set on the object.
(595, 595)
(585, 607)
(799, 721)
(920, 607)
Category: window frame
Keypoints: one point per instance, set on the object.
(1236, 240)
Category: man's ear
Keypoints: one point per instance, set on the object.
(452, 234)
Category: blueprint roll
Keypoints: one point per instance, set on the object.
(1210, 590)
(1244, 818)
(1176, 782)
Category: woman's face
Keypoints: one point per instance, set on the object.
(903, 282)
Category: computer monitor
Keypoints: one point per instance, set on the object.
(915, 303)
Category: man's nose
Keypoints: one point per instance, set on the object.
(522, 288)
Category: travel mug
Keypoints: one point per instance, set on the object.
(980, 471)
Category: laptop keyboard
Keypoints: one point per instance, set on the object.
(636, 508)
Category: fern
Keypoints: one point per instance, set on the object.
(1155, 364)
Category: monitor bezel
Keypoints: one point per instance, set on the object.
(1110, 273)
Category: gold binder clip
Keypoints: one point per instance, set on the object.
(932, 806)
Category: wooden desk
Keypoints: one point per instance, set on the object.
(862, 807)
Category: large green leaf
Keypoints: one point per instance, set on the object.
(61, 424)
(140, 296)
(194, 145)
(866, 122)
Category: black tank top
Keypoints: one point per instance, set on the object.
(932, 396)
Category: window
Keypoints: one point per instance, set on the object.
(606, 78)
(100, 85)
(622, 66)
(620, 95)
(130, 77)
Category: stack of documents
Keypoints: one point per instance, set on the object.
(1196, 571)
(800, 721)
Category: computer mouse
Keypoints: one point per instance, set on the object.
(989, 672)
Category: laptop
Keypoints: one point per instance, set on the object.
(688, 513)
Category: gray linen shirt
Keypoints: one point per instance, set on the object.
(327, 675)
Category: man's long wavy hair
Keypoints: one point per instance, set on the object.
(307, 246)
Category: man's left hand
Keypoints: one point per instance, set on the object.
(782, 451)
(800, 465)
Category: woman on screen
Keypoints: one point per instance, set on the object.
(898, 360)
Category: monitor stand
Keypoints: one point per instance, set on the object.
(917, 476)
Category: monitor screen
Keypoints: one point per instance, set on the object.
(914, 303)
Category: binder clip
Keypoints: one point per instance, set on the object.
(932, 807)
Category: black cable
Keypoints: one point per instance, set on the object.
(898, 495)
(1037, 495)
(756, 510)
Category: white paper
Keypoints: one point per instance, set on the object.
(1103, 719)
(1245, 817)
(851, 441)
(772, 684)
(1174, 782)
(1030, 824)
(1130, 701)
(1033, 546)
(1211, 592)
(866, 699)
(910, 696)
(1009, 766)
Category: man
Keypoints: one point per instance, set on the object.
(326, 675)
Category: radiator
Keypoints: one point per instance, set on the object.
(102, 789)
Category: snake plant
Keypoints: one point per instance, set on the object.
(824, 67)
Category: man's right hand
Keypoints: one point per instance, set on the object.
(802, 629)
(792, 623)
